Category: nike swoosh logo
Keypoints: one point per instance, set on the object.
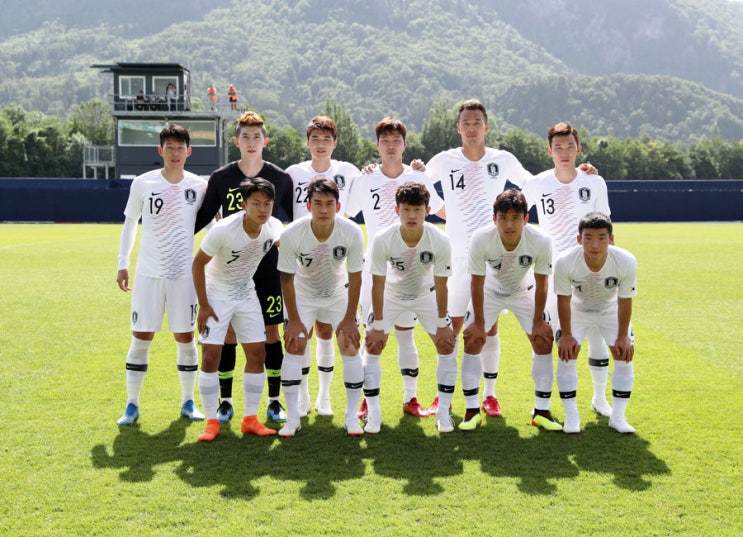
(302, 183)
(155, 193)
(546, 195)
(233, 189)
(454, 171)
(375, 189)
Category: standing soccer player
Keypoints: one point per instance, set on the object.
(223, 192)
(562, 196)
(167, 200)
(373, 195)
(321, 142)
(595, 283)
(410, 263)
(501, 258)
(223, 270)
(320, 259)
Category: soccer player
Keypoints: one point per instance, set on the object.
(321, 141)
(167, 200)
(373, 195)
(595, 283)
(223, 192)
(410, 263)
(320, 259)
(501, 258)
(471, 177)
(562, 196)
(223, 270)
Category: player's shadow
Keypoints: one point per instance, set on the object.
(405, 452)
(137, 452)
(319, 456)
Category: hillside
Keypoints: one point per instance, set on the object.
(669, 68)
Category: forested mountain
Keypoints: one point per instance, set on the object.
(667, 68)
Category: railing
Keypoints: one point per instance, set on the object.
(98, 156)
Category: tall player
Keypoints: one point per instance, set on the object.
(223, 192)
(562, 196)
(321, 142)
(373, 195)
(320, 259)
(167, 200)
(595, 283)
(223, 270)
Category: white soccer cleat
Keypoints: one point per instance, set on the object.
(353, 428)
(620, 425)
(323, 407)
(571, 424)
(303, 405)
(289, 430)
(601, 407)
(444, 423)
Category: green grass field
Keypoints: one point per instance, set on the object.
(67, 469)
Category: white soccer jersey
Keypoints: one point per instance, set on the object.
(596, 291)
(560, 206)
(373, 195)
(341, 173)
(410, 270)
(470, 188)
(168, 213)
(321, 268)
(229, 275)
(507, 273)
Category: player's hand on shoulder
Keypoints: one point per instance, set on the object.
(369, 168)
(418, 165)
(588, 168)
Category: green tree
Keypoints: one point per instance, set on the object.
(439, 130)
(285, 147)
(93, 120)
(530, 149)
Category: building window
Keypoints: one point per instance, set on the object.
(160, 84)
(147, 133)
(131, 86)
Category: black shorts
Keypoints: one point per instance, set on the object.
(268, 288)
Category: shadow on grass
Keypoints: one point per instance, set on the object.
(321, 456)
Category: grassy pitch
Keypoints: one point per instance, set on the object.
(67, 469)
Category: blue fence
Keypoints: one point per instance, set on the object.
(103, 200)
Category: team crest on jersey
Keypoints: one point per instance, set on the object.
(340, 180)
(525, 260)
(267, 245)
(339, 252)
(584, 194)
(493, 169)
(426, 257)
(611, 282)
(190, 195)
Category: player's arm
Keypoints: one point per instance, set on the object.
(128, 235)
(567, 348)
(540, 327)
(209, 207)
(445, 339)
(623, 349)
(294, 330)
(347, 328)
(475, 333)
(376, 338)
(199, 282)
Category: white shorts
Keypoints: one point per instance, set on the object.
(606, 322)
(459, 287)
(407, 320)
(423, 308)
(246, 319)
(521, 304)
(150, 297)
(326, 310)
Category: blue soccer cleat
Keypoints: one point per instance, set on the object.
(190, 411)
(131, 414)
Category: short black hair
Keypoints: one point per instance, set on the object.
(257, 184)
(595, 220)
(322, 185)
(510, 199)
(177, 132)
(411, 193)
